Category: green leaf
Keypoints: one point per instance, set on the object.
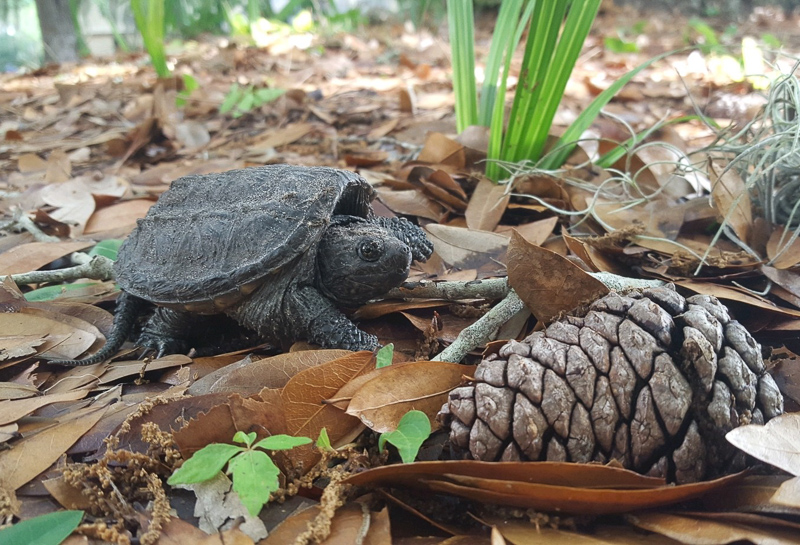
(246, 104)
(411, 432)
(281, 442)
(265, 96)
(563, 148)
(323, 441)
(49, 529)
(255, 477)
(107, 248)
(48, 293)
(244, 438)
(384, 356)
(189, 83)
(231, 99)
(204, 464)
(461, 24)
(618, 45)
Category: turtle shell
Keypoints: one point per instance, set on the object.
(212, 239)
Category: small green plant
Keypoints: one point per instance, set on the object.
(558, 29)
(189, 85)
(149, 16)
(108, 248)
(254, 474)
(241, 101)
(384, 356)
(411, 432)
(49, 529)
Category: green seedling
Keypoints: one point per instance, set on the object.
(49, 529)
(384, 356)
(240, 101)
(189, 85)
(411, 432)
(254, 474)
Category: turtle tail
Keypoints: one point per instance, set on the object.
(129, 307)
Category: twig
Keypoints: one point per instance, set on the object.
(482, 330)
(22, 221)
(491, 288)
(98, 268)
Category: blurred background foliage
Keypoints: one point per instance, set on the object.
(104, 27)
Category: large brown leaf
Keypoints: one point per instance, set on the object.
(393, 391)
(547, 282)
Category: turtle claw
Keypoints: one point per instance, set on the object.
(160, 345)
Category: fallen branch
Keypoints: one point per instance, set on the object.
(483, 330)
(491, 288)
(97, 268)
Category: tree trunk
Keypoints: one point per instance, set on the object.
(58, 31)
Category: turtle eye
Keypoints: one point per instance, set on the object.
(370, 250)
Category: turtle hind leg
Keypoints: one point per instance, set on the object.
(129, 307)
(413, 236)
(170, 331)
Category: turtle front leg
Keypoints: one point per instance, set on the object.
(413, 236)
(310, 316)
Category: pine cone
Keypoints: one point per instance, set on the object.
(647, 378)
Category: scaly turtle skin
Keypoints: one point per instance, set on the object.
(277, 248)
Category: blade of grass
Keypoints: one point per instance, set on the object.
(496, 136)
(565, 144)
(539, 47)
(576, 28)
(502, 42)
(150, 22)
(461, 24)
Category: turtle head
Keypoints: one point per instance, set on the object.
(358, 260)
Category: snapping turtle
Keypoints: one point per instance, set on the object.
(276, 248)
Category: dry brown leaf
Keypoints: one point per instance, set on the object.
(788, 493)
(67, 495)
(118, 217)
(12, 390)
(63, 341)
(732, 200)
(30, 257)
(180, 532)
(547, 282)
(440, 149)
(133, 368)
(305, 392)
(397, 389)
(572, 500)
(694, 530)
(733, 293)
(32, 455)
(535, 232)
(347, 526)
(17, 346)
(465, 248)
(411, 202)
(527, 532)
(777, 442)
(783, 255)
(487, 205)
(248, 377)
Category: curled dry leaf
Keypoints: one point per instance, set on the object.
(777, 442)
(393, 391)
(546, 486)
(697, 529)
(32, 455)
(487, 205)
(781, 253)
(465, 248)
(788, 494)
(62, 340)
(34, 255)
(547, 282)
